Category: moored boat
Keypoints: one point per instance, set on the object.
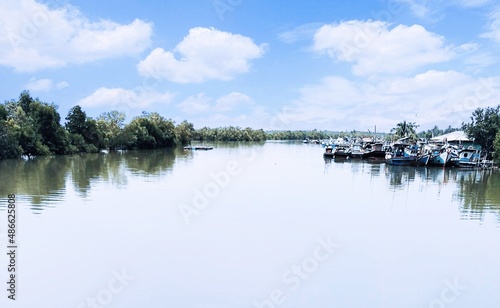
(401, 155)
(341, 151)
(356, 151)
(375, 150)
(422, 160)
(198, 147)
(469, 158)
(440, 158)
(329, 152)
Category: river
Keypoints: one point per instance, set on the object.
(248, 225)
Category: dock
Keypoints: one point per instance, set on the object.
(198, 147)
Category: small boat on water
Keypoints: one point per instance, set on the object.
(341, 151)
(329, 152)
(198, 147)
(375, 150)
(454, 160)
(357, 151)
(469, 158)
(402, 154)
(441, 157)
(422, 160)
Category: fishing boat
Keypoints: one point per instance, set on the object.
(469, 158)
(329, 152)
(454, 160)
(341, 151)
(402, 154)
(422, 160)
(357, 151)
(441, 157)
(375, 150)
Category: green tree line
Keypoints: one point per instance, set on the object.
(299, 135)
(31, 127)
(230, 133)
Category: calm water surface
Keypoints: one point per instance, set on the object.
(261, 225)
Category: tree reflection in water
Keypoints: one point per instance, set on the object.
(479, 194)
(42, 181)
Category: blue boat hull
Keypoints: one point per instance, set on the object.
(440, 160)
(401, 161)
(422, 160)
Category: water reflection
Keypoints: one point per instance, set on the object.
(43, 181)
(40, 181)
(479, 194)
(86, 168)
(375, 168)
(400, 177)
(150, 162)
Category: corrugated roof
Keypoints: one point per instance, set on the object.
(453, 136)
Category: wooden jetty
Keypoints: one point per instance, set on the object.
(198, 147)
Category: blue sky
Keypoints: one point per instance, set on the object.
(334, 65)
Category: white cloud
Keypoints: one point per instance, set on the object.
(34, 36)
(200, 103)
(302, 32)
(493, 27)
(418, 7)
(195, 104)
(436, 10)
(45, 85)
(432, 98)
(204, 54)
(472, 3)
(232, 109)
(62, 85)
(39, 85)
(222, 120)
(230, 101)
(427, 9)
(119, 97)
(480, 61)
(374, 48)
(467, 47)
(256, 117)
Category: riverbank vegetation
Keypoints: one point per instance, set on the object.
(301, 135)
(30, 127)
(484, 128)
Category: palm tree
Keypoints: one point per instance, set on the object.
(405, 129)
